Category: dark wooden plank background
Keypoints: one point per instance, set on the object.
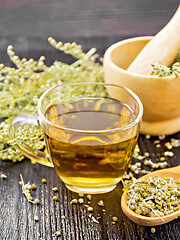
(26, 24)
(105, 20)
(27, 18)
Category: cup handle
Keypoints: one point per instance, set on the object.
(35, 155)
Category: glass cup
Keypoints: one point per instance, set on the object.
(90, 130)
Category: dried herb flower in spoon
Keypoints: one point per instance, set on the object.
(155, 196)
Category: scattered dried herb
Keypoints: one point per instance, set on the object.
(74, 201)
(90, 209)
(36, 200)
(81, 195)
(115, 219)
(80, 200)
(55, 198)
(33, 186)
(55, 189)
(153, 230)
(100, 203)
(57, 233)
(3, 176)
(89, 197)
(93, 218)
(26, 190)
(43, 180)
(36, 218)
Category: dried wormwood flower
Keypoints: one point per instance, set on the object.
(36, 200)
(89, 209)
(74, 201)
(36, 218)
(115, 219)
(100, 203)
(154, 197)
(89, 197)
(57, 233)
(33, 186)
(55, 198)
(81, 195)
(55, 189)
(81, 200)
(93, 218)
(43, 180)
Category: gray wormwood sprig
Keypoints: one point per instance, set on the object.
(36, 77)
(26, 190)
(3, 176)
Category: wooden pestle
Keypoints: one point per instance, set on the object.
(163, 48)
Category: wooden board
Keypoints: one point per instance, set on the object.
(27, 25)
(72, 221)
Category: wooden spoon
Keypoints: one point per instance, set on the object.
(162, 48)
(173, 172)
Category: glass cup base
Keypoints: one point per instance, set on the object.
(90, 190)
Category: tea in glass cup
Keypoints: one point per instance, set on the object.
(90, 130)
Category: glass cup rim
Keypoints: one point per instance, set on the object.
(46, 121)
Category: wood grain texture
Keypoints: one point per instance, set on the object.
(69, 19)
(26, 25)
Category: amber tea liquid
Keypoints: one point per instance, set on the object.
(85, 158)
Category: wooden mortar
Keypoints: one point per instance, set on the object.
(160, 95)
